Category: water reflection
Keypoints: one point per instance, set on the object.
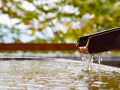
(54, 75)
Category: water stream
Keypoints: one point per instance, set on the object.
(87, 60)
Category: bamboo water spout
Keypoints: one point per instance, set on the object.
(100, 42)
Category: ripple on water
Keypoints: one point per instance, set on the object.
(56, 74)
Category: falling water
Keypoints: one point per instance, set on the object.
(87, 61)
(87, 58)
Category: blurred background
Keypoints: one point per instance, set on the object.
(55, 21)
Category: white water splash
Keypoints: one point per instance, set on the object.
(88, 61)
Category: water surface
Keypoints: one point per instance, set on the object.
(56, 75)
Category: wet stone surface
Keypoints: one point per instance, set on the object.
(56, 75)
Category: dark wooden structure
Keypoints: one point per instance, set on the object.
(102, 41)
(38, 46)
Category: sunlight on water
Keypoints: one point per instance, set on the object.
(59, 74)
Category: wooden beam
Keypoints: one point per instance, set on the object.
(37, 46)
